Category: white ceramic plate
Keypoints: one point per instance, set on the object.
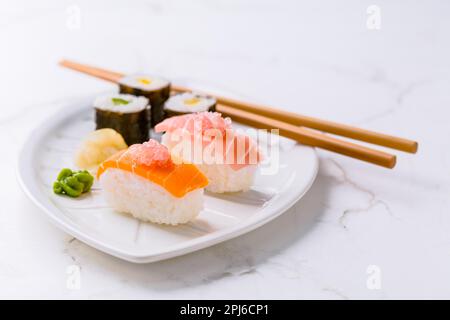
(88, 218)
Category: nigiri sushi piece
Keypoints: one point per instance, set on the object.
(235, 156)
(144, 182)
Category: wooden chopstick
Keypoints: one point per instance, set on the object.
(318, 124)
(310, 137)
(93, 71)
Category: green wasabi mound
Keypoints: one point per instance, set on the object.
(73, 183)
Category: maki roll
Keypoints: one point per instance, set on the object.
(144, 182)
(156, 89)
(126, 114)
(188, 102)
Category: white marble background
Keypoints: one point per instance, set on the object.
(314, 57)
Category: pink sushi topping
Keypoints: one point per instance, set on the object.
(220, 143)
(241, 152)
(196, 122)
(151, 153)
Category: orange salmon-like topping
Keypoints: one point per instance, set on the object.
(152, 163)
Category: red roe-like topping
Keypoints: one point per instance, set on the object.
(151, 153)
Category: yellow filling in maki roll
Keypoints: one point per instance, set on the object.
(144, 81)
(191, 101)
(188, 102)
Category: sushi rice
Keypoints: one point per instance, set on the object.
(135, 104)
(222, 178)
(146, 201)
(144, 82)
(189, 102)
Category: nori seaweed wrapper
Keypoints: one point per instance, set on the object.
(172, 113)
(157, 98)
(133, 126)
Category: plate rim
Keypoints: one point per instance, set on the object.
(44, 127)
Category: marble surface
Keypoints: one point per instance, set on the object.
(361, 231)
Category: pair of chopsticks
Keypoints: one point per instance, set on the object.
(304, 129)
